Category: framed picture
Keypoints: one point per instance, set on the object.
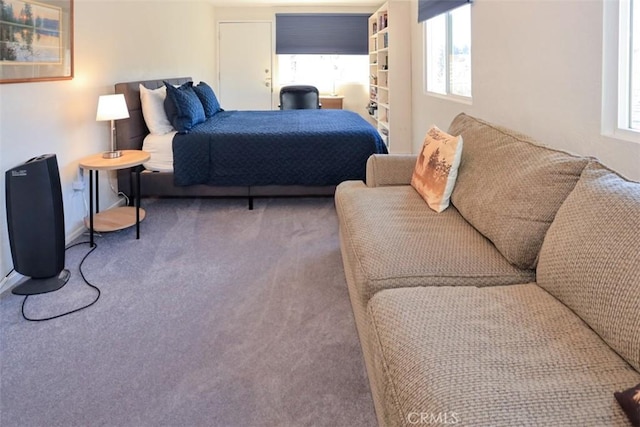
(36, 40)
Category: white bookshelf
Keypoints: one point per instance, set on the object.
(390, 74)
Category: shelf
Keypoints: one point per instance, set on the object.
(115, 219)
(389, 46)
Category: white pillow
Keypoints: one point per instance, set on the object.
(153, 110)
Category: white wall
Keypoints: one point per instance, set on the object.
(537, 68)
(115, 41)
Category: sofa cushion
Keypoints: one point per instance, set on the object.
(390, 239)
(510, 187)
(437, 167)
(590, 258)
(390, 169)
(493, 356)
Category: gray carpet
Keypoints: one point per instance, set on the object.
(218, 316)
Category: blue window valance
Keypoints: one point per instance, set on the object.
(429, 8)
(322, 33)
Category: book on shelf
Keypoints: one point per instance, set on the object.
(383, 21)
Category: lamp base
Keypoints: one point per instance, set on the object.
(112, 154)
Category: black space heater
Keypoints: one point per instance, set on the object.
(35, 218)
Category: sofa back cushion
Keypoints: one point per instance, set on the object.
(509, 187)
(590, 259)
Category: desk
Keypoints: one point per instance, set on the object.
(116, 218)
(331, 102)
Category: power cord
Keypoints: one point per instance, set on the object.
(118, 193)
(83, 278)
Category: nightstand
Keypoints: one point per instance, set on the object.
(330, 102)
(120, 217)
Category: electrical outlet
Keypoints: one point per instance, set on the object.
(78, 185)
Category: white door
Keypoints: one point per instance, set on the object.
(245, 65)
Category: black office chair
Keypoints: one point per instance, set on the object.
(299, 97)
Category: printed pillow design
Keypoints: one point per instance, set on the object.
(437, 168)
(629, 400)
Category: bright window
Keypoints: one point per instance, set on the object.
(621, 70)
(448, 53)
(326, 72)
(634, 68)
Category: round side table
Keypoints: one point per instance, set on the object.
(120, 217)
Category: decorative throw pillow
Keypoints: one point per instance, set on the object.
(208, 98)
(437, 168)
(629, 400)
(183, 107)
(155, 117)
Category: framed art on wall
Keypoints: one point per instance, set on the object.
(36, 40)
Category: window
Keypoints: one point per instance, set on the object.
(448, 53)
(630, 76)
(322, 33)
(326, 72)
(324, 50)
(621, 70)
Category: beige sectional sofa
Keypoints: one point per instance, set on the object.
(518, 305)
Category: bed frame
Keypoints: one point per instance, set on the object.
(131, 132)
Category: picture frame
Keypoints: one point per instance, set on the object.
(36, 40)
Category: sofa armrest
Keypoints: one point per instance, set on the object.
(390, 169)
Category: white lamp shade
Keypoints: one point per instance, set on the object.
(112, 107)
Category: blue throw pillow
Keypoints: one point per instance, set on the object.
(208, 98)
(183, 107)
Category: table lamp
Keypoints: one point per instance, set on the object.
(112, 107)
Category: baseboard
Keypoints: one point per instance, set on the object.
(10, 281)
(14, 277)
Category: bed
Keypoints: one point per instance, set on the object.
(248, 153)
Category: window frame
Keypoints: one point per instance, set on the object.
(449, 52)
(616, 76)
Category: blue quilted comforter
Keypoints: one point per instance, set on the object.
(291, 147)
